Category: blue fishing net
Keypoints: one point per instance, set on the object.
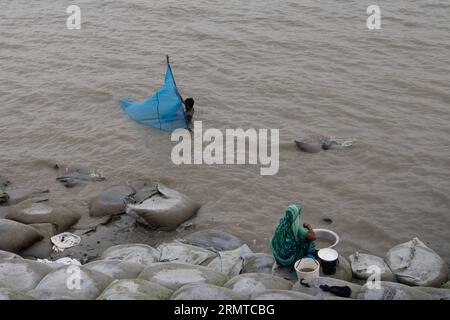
(163, 110)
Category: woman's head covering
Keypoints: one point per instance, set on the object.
(289, 242)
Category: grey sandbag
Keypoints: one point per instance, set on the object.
(39, 210)
(446, 285)
(40, 250)
(258, 263)
(175, 275)
(15, 236)
(391, 291)
(144, 189)
(136, 253)
(285, 272)
(230, 262)
(9, 294)
(438, 293)
(116, 269)
(22, 274)
(18, 195)
(75, 281)
(184, 253)
(417, 265)
(49, 294)
(361, 264)
(250, 283)
(312, 287)
(46, 229)
(6, 255)
(164, 210)
(213, 240)
(203, 291)
(110, 202)
(281, 295)
(135, 289)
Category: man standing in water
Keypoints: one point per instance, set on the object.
(189, 110)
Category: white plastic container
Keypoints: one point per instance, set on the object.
(307, 263)
(326, 236)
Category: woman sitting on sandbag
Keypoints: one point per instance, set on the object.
(291, 241)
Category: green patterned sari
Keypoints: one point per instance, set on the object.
(289, 243)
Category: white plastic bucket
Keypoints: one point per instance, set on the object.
(329, 236)
(307, 263)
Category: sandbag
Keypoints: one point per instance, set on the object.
(116, 269)
(9, 294)
(437, 293)
(49, 294)
(39, 210)
(446, 285)
(175, 275)
(417, 265)
(5, 255)
(144, 189)
(15, 236)
(285, 272)
(40, 250)
(22, 274)
(230, 262)
(184, 253)
(110, 202)
(135, 289)
(213, 240)
(18, 195)
(203, 291)
(251, 283)
(164, 210)
(361, 261)
(136, 253)
(258, 263)
(392, 291)
(281, 295)
(43, 248)
(64, 280)
(313, 287)
(48, 230)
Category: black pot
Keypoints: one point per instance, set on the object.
(329, 260)
(329, 267)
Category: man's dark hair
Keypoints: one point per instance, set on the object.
(189, 102)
